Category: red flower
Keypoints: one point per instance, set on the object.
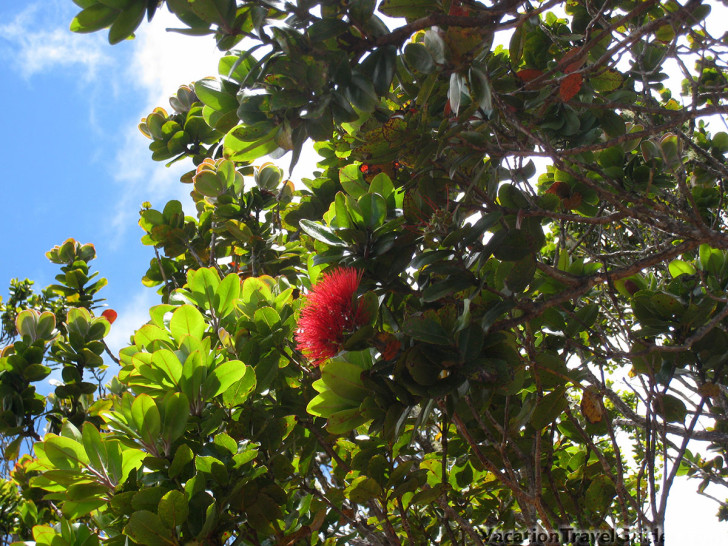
(330, 312)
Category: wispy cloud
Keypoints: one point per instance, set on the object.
(163, 60)
(30, 46)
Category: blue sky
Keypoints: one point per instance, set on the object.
(75, 165)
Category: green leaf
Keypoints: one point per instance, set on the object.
(549, 408)
(227, 295)
(711, 260)
(149, 333)
(613, 124)
(46, 325)
(511, 245)
(169, 363)
(327, 403)
(146, 527)
(173, 509)
(237, 67)
(238, 392)
(64, 453)
(361, 93)
(606, 81)
(116, 4)
(95, 448)
(665, 33)
(211, 466)
(193, 374)
(670, 150)
(213, 11)
(440, 289)
(321, 233)
(521, 274)
(344, 421)
(551, 369)
(600, 494)
(419, 57)
(88, 3)
(342, 219)
(36, 372)
(670, 408)
(382, 185)
(373, 209)
(352, 181)
(363, 489)
(209, 184)
(45, 536)
(410, 9)
(244, 457)
(341, 109)
(203, 283)
(187, 320)
(515, 45)
(720, 142)
(323, 29)
(681, 267)
(131, 460)
(251, 133)
(26, 323)
(127, 22)
(146, 418)
(73, 509)
(12, 449)
(380, 67)
(266, 319)
(226, 442)
(93, 18)
(361, 11)
(222, 377)
(583, 319)
(426, 329)
(176, 409)
(510, 196)
(480, 90)
(344, 378)
(211, 94)
(182, 457)
(245, 150)
(699, 12)
(426, 496)
(256, 289)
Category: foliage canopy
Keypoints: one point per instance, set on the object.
(514, 252)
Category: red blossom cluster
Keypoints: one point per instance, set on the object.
(331, 311)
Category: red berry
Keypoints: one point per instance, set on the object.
(109, 315)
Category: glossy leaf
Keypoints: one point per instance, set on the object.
(146, 527)
(187, 321)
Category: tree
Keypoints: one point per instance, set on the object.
(500, 302)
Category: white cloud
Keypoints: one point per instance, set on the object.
(161, 61)
(32, 48)
(691, 517)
